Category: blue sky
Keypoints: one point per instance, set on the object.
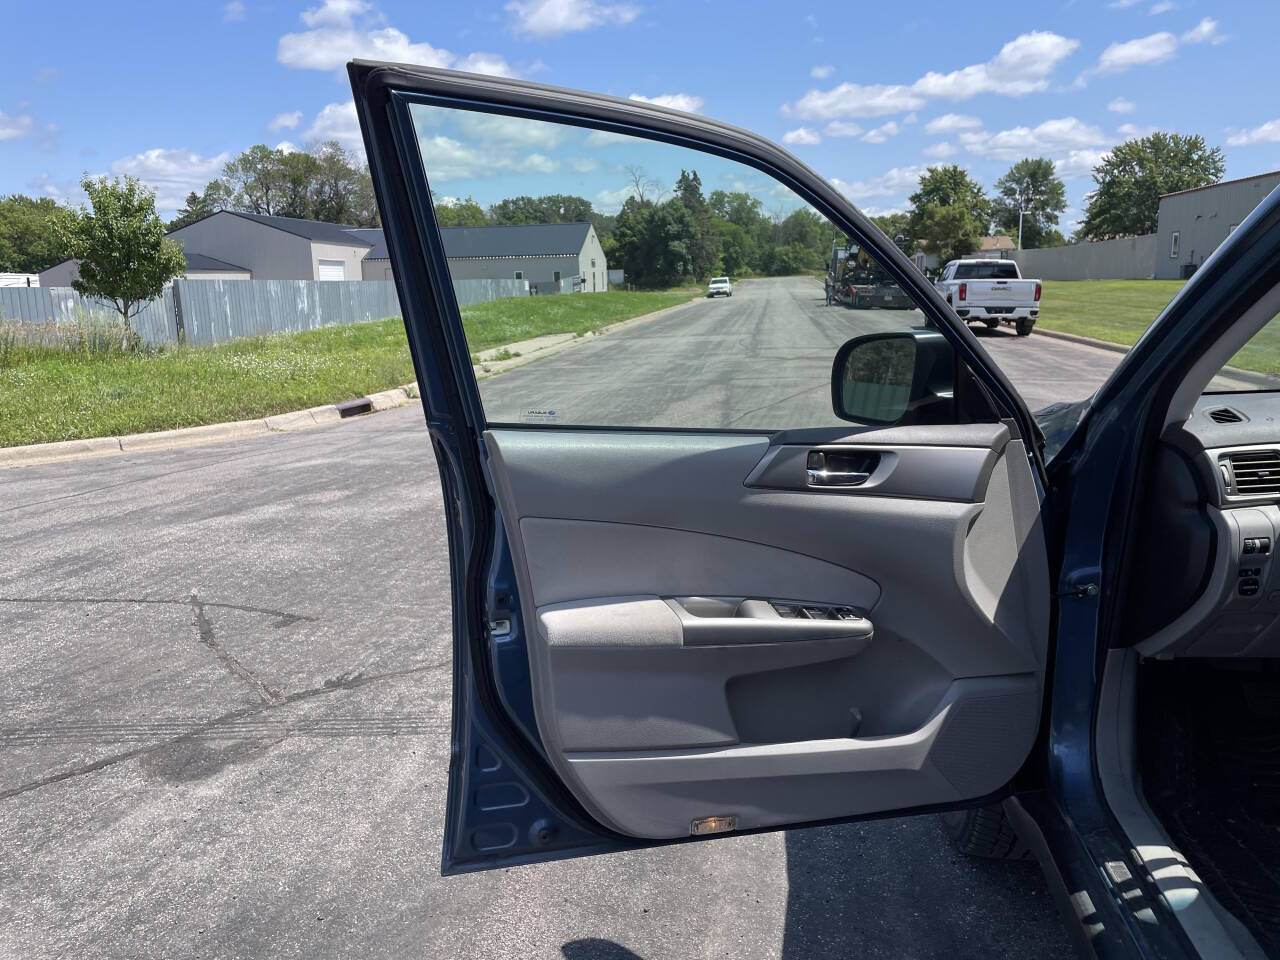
(868, 94)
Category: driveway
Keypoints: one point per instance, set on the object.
(224, 698)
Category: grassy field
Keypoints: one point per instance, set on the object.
(54, 394)
(1113, 310)
(1119, 311)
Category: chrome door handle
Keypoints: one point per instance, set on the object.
(827, 469)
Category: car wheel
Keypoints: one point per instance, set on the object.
(984, 832)
(1024, 327)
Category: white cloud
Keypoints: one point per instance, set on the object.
(1131, 130)
(1121, 105)
(336, 37)
(1022, 66)
(1268, 132)
(1074, 146)
(842, 128)
(909, 119)
(1052, 136)
(939, 151)
(1164, 6)
(551, 18)
(605, 138)
(676, 101)
(234, 12)
(882, 133)
(855, 100)
(171, 173)
(1206, 31)
(538, 163)
(1122, 4)
(952, 123)
(337, 121)
(803, 135)
(285, 121)
(287, 146)
(15, 127)
(822, 71)
(583, 164)
(895, 182)
(1155, 48)
(611, 201)
(336, 12)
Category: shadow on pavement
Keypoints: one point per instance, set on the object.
(593, 948)
(898, 889)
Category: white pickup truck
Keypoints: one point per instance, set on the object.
(991, 291)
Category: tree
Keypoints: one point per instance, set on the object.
(216, 196)
(254, 178)
(949, 212)
(461, 213)
(704, 244)
(124, 255)
(1032, 187)
(894, 225)
(1132, 177)
(28, 240)
(553, 208)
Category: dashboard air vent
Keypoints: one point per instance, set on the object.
(1224, 415)
(1254, 472)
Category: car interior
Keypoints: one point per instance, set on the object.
(1188, 746)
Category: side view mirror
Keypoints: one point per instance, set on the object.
(898, 377)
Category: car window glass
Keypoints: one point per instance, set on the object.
(582, 261)
(1255, 366)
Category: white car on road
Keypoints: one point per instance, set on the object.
(991, 291)
(719, 287)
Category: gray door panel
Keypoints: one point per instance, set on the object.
(667, 691)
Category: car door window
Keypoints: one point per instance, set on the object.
(565, 207)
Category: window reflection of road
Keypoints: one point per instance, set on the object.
(760, 360)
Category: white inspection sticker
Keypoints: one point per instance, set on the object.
(539, 415)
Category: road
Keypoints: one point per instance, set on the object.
(224, 691)
(760, 359)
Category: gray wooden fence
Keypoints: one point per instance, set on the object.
(1126, 258)
(214, 311)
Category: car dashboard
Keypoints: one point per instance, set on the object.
(1218, 478)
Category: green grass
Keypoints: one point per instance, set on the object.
(513, 319)
(1114, 310)
(52, 393)
(1118, 311)
(56, 395)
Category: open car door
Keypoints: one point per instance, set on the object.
(704, 582)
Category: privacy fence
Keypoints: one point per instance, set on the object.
(1127, 258)
(213, 311)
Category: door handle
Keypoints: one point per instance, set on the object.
(826, 468)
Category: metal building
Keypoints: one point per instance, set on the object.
(1194, 222)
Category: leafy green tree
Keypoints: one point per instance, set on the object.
(254, 178)
(553, 208)
(1031, 186)
(1131, 179)
(949, 211)
(704, 251)
(738, 250)
(216, 196)
(124, 256)
(894, 225)
(28, 240)
(463, 213)
(298, 179)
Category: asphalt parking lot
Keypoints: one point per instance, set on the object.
(224, 692)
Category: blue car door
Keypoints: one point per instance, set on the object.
(718, 564)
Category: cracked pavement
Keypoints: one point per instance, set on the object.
(224, 721)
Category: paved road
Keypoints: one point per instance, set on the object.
(760, 359)
(224, 706)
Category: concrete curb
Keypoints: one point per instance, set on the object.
(1083, 341)
(38, 453)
